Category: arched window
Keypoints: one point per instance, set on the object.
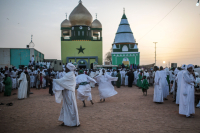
(124, 48)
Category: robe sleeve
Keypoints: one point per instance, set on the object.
(91, 79)
(111, 78)
(187, 79)
(97, 78)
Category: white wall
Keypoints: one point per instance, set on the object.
(4, 57)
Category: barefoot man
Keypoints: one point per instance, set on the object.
(64, 88)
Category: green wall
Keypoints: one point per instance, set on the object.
(19, 57)
(92, 48)
(116, 60)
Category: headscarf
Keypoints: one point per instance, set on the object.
(190, 65)
(71, 67)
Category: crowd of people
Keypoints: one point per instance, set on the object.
(181, 82)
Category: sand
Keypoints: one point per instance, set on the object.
(128, 111)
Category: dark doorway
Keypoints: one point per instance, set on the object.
(91, 66)
(82, 67)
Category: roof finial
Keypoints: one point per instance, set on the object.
(80, 1)
(31, 37)
(66, 15)
(124, 10)
(96, 15)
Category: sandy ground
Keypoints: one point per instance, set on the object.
(128, 111)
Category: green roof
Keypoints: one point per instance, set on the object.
(124, 16)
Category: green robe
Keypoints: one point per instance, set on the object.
(8, 86)
(168, 81)
(139, 82)
(145, 85)
(118, 82)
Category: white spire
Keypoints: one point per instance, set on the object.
(66, 15)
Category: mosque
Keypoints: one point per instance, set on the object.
(81, 38)
(124, 48)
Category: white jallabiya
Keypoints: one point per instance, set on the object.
(158, 91)
(186, 103)
(106, 89)
(22, 90)
(92, 75)
(84, 91)
(64, 88)
(179, 79)
(165, 85)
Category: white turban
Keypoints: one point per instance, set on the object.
(184, 67)
(196, 74)
(70, 66)
(190, 65)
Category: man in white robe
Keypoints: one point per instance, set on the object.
(179, 79)
(84, 89)
(64, 88)
(22, 90)
(106, 89)
(126, 78)
(92, 75)
(135, 76)
(163, 83)
(14, 78)
(32, 59)
(122, 77)
(186, 103)
(158, 91)
(32, 79)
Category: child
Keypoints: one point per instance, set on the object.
(139, 81)
(145, 85)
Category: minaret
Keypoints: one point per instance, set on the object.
(125, 47)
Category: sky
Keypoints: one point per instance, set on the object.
(174, 24)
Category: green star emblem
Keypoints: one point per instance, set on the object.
(80, 50)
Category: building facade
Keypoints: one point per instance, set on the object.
(81, 38)
(18, 56)
(125, 49)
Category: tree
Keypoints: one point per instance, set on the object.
(109, 56)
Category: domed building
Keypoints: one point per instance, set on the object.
(81, 38)
(125, 48)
